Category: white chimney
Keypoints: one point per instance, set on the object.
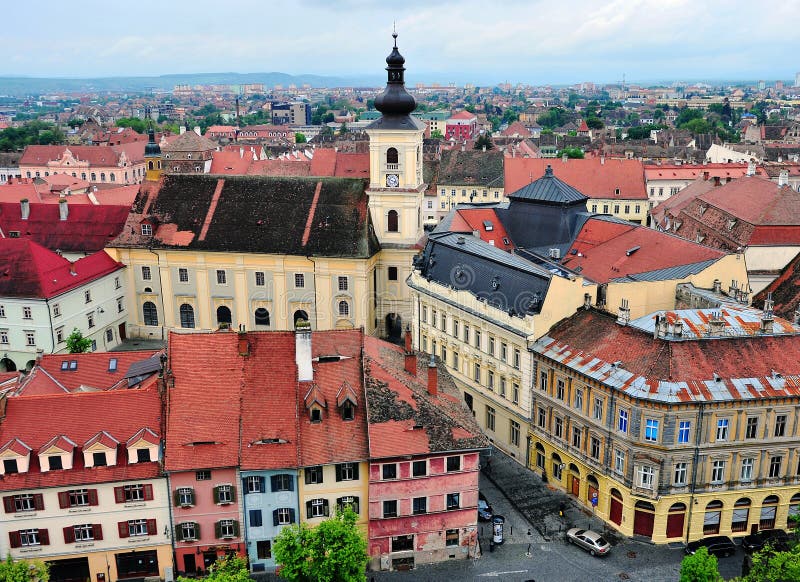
(183, 129)
(302, 356)
(63, 209)
(25, 208)
(751, 169)
(602, 160)
(197, 129)
(783, 178)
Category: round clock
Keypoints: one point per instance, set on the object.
(392, 180)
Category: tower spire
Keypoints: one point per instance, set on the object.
(395, 100)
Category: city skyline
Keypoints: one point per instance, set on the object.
(528, 42)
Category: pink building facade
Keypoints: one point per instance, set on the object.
(462, 126)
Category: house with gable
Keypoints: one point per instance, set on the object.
(87, 497)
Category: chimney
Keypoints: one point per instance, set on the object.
(716, 181)
(768, 318)
(63, 209)
(717, 286)
(587, 301)
(433, 377)
(302, 356)
(796, 316)
(411, 356)
(197, 129)
(602, 159)
(244, 344)
(751, 169)
(183, 129)
(564, 158)
(678, 328)
(716, 324)
(783, 178)
(705, 176)
(25, 208)
(624, 315)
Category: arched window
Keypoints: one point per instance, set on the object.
(741, 513)
(187, 316)
(113, 177)
(224, 315)
(711, 517)
(391, 156)
(102, 176)
(393, 222)
(344, 309)
(150, 165)
(300, 316)
(149, 313)
(262, 316)
(94, 177)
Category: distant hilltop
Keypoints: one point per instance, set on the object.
(42, 85)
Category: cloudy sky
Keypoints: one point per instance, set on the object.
(483, 41)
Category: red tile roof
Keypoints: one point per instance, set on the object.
(672, 206)
(693, 171)
(48, 376)
(88, 228)
(232, 162)
(593, 177)
(97, 156)
(463, 115)
(474, 219)
(757, 200)
(607, 249)
(30, 270)
(79, 417)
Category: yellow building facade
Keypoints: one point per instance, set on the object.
(324, 489)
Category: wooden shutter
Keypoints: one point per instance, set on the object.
(233, 493)
(38, 501)
(216, 495)
(176, 498)
(338, 472)
(8, 504)
(308, 510)
(124, 532)
(44, 537)
(196, 531)
(355, 471)
(262, 484)
(291, 516)
(178, 532)
(291, 482)
(355, 504)
(275, 517)
(274, 483)
(63, 499)
(92, 495)
(97, 531)
(15, 539)
(217, 530)
(69, 535)
(119, 494)
(325, 508)
(191, 496)
(236, 528)
(151, 527)
(148, 492)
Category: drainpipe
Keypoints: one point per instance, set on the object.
(695, 457)
(316, 304)
(160, 291)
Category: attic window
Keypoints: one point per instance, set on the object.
(13, 234)
(616, 191)
(147, 230)
(323, 359)
(731, 223)
(316, 414)
(73, 364)
(112, 365)
(506, 241)
(274, 441)
(64, 365)
(488, 226)
(348, 410)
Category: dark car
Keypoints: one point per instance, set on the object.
(716, 545)
(777, 538)
(485, 512)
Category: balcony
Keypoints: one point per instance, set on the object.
(393, 166)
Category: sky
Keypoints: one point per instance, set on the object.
(478, 41)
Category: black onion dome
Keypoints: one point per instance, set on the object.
(152, 148)
(395, 100)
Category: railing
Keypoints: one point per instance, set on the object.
(392, 166)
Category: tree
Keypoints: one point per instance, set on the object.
(436, 134)
(483, 141)
(594, 123)
(77, 344)
(700, 567)
(299, 138)
(334, 551)
(226, 569)
(343, 128)
(572, 153)
(771, 566)
(23, 571)
(136, 124)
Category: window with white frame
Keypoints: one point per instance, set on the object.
(56, 310)
(147, 230)
(622, 425)
(651, 430)
(718, 471)
(83, 532)
(558, 427)
(645, 476)
(146, 273)
(683, 431)
(344, 309)
(579, 398)
(560, 389)
(225, 494)
(679, 479)
(4, 336)
(30, 338)
(188, 531)
(746, 473)
(517, 359)
(490, 416)
(503, 351)
(542, 418)
(514, 433)
(722, 429)
(27, 313)
(597, 408)
(775, 467)
(542, 380)
(619, 462)
(137, 527)
(227, 528)
(29, 537)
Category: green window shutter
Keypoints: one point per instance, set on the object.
(217, 530)
(233, 494)
(178, 533)
(338, 472)
(176, 497)
(216, 496)
(197, 531)
(191, 496)
(308, 510)
(236, 529)
(325, 508)
(262, 485)
(355, 504)
(355, 471)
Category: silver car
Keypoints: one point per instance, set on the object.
(589, 540)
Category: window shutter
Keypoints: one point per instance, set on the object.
(38, 501)
(151, 527)
(92, 496)
(355, 504)
(176, 498)
(235, 529)
(119, 494)
(191, 496)
(308, 510)
(8, 504)
(217, 530)
(291, 482)
(325, 508)
(97, 531)
(291, 516)
(216, 496)
(148, 492)
(69, 535)
(262, 484)
(275, 517)
(44, 537)
(273, 481)
(63, 499)
(355, 471)
(124, 532)
(15, 539)
(245, 488)
(338, 472)
(196, 531)
(233, 494)
(178, 532)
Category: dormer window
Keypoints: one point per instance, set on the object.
(348, 411)
(143, 455)
(54, 462)
(147, 230)
(99, 459)
(10, 466)
(316, 414)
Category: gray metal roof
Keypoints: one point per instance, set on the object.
(549, 189)
(396, 122)
(670, 273)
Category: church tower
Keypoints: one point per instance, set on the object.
(152, 157)
(395, 192)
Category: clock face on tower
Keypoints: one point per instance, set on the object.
(392, 180)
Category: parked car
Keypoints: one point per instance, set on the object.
(589, 540)
(777, 538)
(716, 545)
(485, 512)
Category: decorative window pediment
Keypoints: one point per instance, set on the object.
(143, 446)
(59, 446)
(14, 457)
(100, 450)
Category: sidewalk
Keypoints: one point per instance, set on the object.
(538, 501)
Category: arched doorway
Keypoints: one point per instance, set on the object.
(741, 515)
(615, 512)
(300, 316)
(769, 509)
(675, 520)
(644, 517)
(574, 480)
(394, 327)
(7, 365)
(224, 316)
(592, 490)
